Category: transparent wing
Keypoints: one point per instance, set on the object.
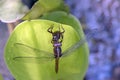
(33, 59)
(75, 46)
(30, 50)
(44, 56)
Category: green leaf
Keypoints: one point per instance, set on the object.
(35, 11)
(54, 5)
(50, 4)
(44, 6)
(1, 78)
(29, 43)
(11, 11)
(64, 18)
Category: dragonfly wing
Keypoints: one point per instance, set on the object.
(30, 50)
(71, 49)
(33, 59)
(75, 46)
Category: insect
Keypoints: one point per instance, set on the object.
(57, 38)
(57, 43)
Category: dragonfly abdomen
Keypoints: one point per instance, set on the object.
(57, 52)
(56, 65)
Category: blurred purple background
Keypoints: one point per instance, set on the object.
(105, 46)
(104, 56)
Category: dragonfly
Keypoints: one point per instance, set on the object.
(57, 38)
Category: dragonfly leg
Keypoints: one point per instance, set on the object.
(61, 39)
(50, 29)
(63, 30)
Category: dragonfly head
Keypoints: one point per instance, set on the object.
(56, 36)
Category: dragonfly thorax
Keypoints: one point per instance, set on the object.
(57, 44)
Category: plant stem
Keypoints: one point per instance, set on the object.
(11, 27)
